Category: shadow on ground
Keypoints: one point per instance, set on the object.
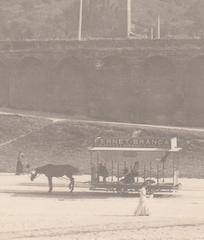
(78, 195)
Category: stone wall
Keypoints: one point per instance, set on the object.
(146, 81)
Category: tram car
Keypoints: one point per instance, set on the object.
(123, 165)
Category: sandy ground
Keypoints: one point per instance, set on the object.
(27, 212)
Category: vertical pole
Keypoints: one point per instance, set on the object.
(80, 20)
(129, 17)
(118, 171)
(97, 157)
(92, 170)
(150, 172)
(144, 172)
(112, 170)
(152, 33)
(157, 173)
(159, 28)
(173, 170)
(163, 171)
(97, 172)
(137, 170)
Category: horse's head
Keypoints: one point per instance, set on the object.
(33, 174)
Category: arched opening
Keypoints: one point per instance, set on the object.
(70, 87)
(159, 90)
(113, 81)
(30, 84)
(194, 89)
(4, 85)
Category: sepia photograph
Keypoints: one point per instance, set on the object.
(101, 119)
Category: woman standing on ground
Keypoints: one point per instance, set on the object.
(19, 164)
(142, 209)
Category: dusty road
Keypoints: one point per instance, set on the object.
(28, 212)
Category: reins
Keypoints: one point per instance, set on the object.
(37, 175)
(64, 179)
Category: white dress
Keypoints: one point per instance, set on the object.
(142, 209)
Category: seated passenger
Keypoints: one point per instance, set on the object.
(102, 172)
(128, 178)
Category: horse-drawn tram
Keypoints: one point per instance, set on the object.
(123, 165)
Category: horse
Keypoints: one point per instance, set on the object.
(51, 170)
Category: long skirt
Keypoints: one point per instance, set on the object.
(142, 209)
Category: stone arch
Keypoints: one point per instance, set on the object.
(159, 98)
(30, 84)
(194, 90)
(69, 86)
(113, 88)
(4, 85)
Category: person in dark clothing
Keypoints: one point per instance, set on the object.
(19, 165)
(102, 171)
(128, 178)
(129, 175)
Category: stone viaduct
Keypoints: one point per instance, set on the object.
(157, 81)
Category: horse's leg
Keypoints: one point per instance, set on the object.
(71, 184)
(50, 183)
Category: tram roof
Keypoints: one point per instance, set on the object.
(136, 145)
(123, 149)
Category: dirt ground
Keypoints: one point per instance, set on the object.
(28, 212)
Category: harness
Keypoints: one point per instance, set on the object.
(64, 179)
(37, 175)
